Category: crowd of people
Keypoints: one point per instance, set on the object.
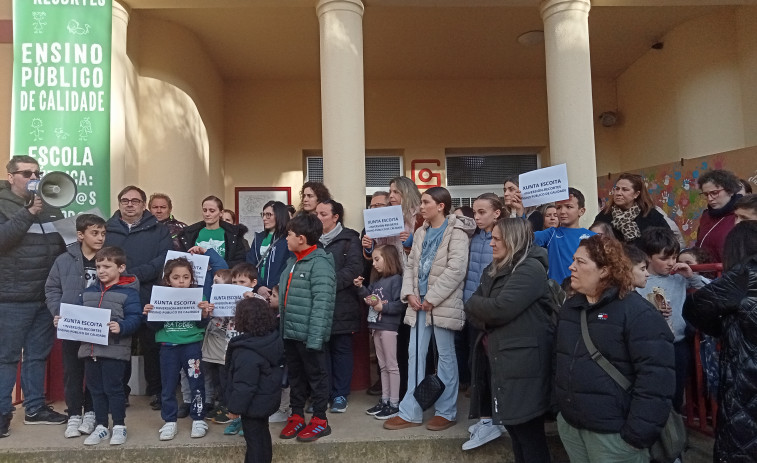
(511, 300)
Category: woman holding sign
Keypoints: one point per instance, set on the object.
(213, 233)
(514, 204)
(630, 210)
(269, 251)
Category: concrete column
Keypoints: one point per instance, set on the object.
(342, 105)
(571, 115)
(118, 89)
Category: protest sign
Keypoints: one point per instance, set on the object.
(174, 304)
(225, 297)
(545, 185)
(86, 324)
(199, 263)
(383, 221)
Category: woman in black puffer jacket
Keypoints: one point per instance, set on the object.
(344, 246)
(233, 248)
(599, 421)
(727, 308)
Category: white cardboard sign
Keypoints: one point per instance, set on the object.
(175, 304)
(86, 324)
(383, 221)
(225, 298)
(199, 263)
(545, 185)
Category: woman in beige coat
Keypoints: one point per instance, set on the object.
(433, 285)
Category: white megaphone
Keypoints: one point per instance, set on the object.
(56, 189)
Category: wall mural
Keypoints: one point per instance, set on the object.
(674, 186)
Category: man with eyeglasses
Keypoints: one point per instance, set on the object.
(145, 242)
(29, 245)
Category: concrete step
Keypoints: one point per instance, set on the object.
(356, 437)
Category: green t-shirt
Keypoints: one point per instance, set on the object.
(213, 239)
(185, 332)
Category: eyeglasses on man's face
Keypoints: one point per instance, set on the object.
(127, 201)
(28, 173)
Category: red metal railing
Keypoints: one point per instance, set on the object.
(701, 407)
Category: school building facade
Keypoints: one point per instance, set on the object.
(208, 97)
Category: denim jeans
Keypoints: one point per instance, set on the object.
(339, 351)
(27, 326)
(173, 358)
(104, 380)
(77, 396)
(446, 405)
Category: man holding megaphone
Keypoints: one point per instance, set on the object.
(29, 245)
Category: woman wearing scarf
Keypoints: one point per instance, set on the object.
(720, 187)
(631, 210)
(344, 246)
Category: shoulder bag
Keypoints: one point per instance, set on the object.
(431, 388)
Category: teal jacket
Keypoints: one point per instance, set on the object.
(307, 301)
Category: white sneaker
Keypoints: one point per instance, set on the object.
(119, 435)
(279, 417)
(88, 423)
(199, 428)
(481, 435)
(72, 428)
(98, 435)
(472, 428)
(168, 431)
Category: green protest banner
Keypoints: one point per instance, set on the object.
(61, 92)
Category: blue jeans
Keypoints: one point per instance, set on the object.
(172, 360)
(339, 350)
(105, 383)
(27, 326)
(446, 406)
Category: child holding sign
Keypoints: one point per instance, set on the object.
(181, 347)
(104, 366)
(72, 272)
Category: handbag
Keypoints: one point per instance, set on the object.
(431, 388)
(672, 440)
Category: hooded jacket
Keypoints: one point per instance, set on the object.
(633, 336)
(145, 245)
(347, 253)
(274, 261)
(255, 367)
(66, 281)
(122, 299)
(447, 275)
(727, 308)
(29, 244)
(236, 248)
(511, 308)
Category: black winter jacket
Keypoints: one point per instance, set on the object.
(651, 220)
(348, 264)
(236, 247)
(275, 260)
(511, 308)
(635, 338)
(728, 308)
(255, 367)
(29, 245)
(145, 245)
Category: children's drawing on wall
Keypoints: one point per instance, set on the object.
(674, 186)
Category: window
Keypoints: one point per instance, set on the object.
(380, 167)
(472, 172)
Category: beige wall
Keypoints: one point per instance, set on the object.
(694, 97)
(180, 105)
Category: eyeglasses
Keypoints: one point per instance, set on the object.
(374, 206)
(266, 215)
(127, 201)
(29, 173)
(712, 194)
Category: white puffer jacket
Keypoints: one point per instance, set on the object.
(447, 276)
